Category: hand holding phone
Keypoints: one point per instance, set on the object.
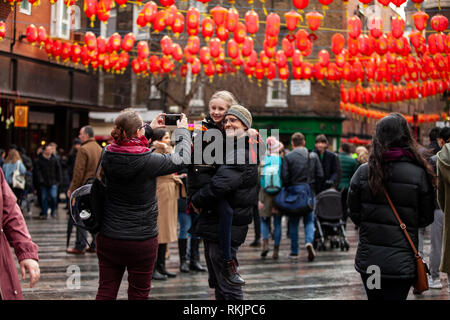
(171, 119)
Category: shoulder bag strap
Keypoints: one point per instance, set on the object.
(100, 162)
(402, 225)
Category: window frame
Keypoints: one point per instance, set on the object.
(270, 102)
(23, 10)
(104, 26)
(57, 12)
(138, 33)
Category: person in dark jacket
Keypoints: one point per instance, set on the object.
(437, 227)
(348, 167)
(301, 166)
(128, 237)
(235, 184)
(330, 165)
(395, 165)
(48, 173)
(204, 167)
(434, 146)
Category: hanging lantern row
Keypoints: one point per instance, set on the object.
(377, 115)
(2, 30)
(390, 93)
(356, 140)
(387, 59)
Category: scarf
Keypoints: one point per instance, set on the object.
(133, 145)
(394, 154)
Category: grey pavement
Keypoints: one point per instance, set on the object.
(331, 276)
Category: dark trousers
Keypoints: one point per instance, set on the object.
(214, 263)
(225, 213)
(390, 289)
(344, 193)
(137, 257)
(257, 222)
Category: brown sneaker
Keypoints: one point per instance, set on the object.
(74, 251)
(311, 252)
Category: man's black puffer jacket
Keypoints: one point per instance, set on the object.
(131, 207)
(237, 183)
(381, 240)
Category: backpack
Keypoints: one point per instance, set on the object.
(270, 176)
(87, 202)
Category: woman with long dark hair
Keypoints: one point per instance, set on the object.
(395, 165)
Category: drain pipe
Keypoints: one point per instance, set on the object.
(14, 32)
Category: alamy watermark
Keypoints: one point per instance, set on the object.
(374, 280)
(73, 282)
(221, 149)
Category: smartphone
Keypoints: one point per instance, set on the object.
(171, 119)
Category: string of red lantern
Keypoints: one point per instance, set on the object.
(371, 114)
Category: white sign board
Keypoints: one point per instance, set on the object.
(300, 88)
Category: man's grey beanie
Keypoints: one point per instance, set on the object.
(242, 114)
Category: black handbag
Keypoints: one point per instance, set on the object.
(88, 201)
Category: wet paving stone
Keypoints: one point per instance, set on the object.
(331, 276)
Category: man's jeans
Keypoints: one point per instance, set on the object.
(308, 222)
(47, 192)
(436, 243)
(265, 222)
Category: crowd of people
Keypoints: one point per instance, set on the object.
(154, 197)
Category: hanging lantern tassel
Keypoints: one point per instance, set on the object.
(264, 6)
(324, 8)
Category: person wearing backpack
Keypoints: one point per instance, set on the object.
(271, 184)
(299, 167)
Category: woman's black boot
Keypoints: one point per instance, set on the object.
(161, 267)
(182, 244)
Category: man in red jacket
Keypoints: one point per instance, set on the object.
(14, 232)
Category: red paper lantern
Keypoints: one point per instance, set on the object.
(264, 59)
(280, 59)
(439, 23)
(2, 30)
(75, 53)
(193, 45)
(376, 27)
(114, 42)
(142, 49)
(302, 39)
(159, 21)
(90, 9)
(307, 70)
(193, 18)
(252, 22)
(128, 41)
(384, 3)
(292, 19)
(207, 28)
(104, 10)
(283, 73)
(300, 4)
(166, 45)
(355, 26)
(214, 47)
(56, 48)
(178, 24)
(177, 52)
(154, 64)
(273, 24)
(32, 33)
(337, 43)
(205, 55)
(66, 51)
(167, 3)
(398, 26)
(420, 20)
(240, 32)
(247, 47)
(222, 32)
(288, 47)
(90, 40)
(166, 64)
(101, 45)
(196, 66)
(324, 57)
(42, 35)
(232, 19)
(313, 19)
(219, 15)
(209, 69)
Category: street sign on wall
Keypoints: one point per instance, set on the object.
(300, 88)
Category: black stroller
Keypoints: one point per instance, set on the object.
(328, 221)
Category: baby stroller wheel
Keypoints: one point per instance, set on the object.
(347, 246)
